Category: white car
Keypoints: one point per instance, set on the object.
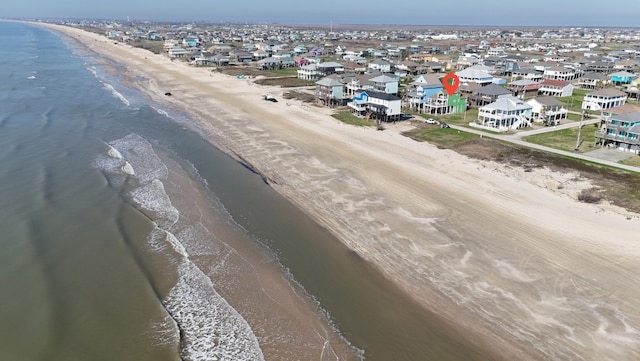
(431, 121)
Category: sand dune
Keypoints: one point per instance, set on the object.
(507, 257)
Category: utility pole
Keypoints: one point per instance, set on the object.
(577, 148)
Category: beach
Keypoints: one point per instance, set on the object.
(509, 258)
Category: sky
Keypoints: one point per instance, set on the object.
(617, 13)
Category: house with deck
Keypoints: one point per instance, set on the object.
(593, 80)
(330, 91)
(556, 88)
(621, 131)
(487, 95)
(442, 103)
(524, 88)
(559, 73)
(603, 99)
(423, 87)
(548, 110)
(474, 76)
(505, 114)
(621, 77)
(376, 105)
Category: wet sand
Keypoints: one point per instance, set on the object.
(509, 259)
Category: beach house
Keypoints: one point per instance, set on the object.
(505, 114)
(556, 88)
(621, 77)
(603, 99)
(524, 88)
(487, 95)
(330, 91)
(474, 76)
(423, 87)
(376, 105)
(548, 110)
(621, 131)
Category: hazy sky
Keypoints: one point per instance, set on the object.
(616, 13)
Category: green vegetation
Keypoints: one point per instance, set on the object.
(292, 71)
(440, 136)
(633, 161)
(565, 139)
(348, 118)
(457, 119)
(574, 102)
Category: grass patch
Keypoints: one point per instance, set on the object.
(284, 82)
(442, 137)
(293, 71)
(633, 161)
(462, 119)
(574, 102)
(565, 139)
(348, 118)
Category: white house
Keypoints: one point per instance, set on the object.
(559, 73)
(603, 99)
(556, 88)
(504, 114)
(547, 110)
(380, 65)
(474, 76)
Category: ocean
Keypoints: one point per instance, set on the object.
(127, 236)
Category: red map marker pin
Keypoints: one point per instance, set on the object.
(451, 83)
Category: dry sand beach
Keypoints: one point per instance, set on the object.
(504, 255)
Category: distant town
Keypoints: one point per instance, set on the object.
(509, 78)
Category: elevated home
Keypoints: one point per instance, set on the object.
(556, 88)
(385, 84)
(524, 88)
(442, 103)
(178, 52)
(316, 71)
(487, 95)
(593, 80)
(529, 74)
(330, 67)
(506, 113)
(375, 105)
(474, 76)
(626, 64)
(600, 67)
(357, 83)
(548, 110)
(380, 65)
(330, 91)
(633, 90)
(423, 87)
(603, 99)
(352, 67)
(559, 73)
(621, 78)
(407, 67)
(621, 131)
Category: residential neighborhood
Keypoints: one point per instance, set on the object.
(510, 79)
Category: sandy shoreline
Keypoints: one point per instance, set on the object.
(524, 269)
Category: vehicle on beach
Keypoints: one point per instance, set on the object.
(270, 98)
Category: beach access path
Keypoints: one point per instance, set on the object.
(509, 257)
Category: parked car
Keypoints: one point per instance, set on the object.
(431, 121)
(444, 125)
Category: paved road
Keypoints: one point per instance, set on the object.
(516, 138)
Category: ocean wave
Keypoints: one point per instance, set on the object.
(117, 94)
(210, 329)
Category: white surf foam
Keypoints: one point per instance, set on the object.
(210, 328)
(116, 94)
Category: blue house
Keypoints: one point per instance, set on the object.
(190, 41)
(622, 77)
(621, 131)
(421, 89)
